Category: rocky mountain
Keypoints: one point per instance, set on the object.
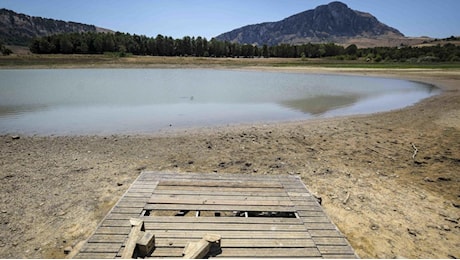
(19, 29)
(334, 22)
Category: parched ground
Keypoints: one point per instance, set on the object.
(389, 181)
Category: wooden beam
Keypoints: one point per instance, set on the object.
(137, 226)
(198, 250)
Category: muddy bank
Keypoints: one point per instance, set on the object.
(389, 181)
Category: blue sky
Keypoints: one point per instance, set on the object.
(209, 18)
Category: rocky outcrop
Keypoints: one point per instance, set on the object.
(326, 23)
(19, 29)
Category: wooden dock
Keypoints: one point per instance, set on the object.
(256, 216)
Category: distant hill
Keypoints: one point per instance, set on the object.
(334, 22)
(19, 29)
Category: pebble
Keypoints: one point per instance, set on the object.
(446, 227)
(412, 232)
(444, 179)
(15, 137)
(67, 250)
(374, 227)
(428, 179)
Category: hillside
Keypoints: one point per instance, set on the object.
(19, 29)
(334, 22)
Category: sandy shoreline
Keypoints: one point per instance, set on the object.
(55, 190)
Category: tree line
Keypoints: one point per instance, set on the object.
(123, 43)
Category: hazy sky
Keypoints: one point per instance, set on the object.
(209, 18)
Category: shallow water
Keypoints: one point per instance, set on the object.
(109, 101)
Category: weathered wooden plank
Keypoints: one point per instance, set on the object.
(125, 216)
(107, 238)
(324, 233)
(138, 194)
(222, 192)
(131, 204)
(197, 234)
(101, 248)
(311, 213)
(271, 252)
(212, 176)
(224, 202)
(220, 183)
(83, 255)
(323, 226)
(332, 241)
(315, 219)
(133, 199)
(137, 210)
(251, 220)
(113, 230)
(141, 189)
(298, 194)
(116, 223)
(196, 222)
(313, 207)
(242, 242)
(143, 184)
(339, 256)
(307, 203)
(220, 197)
(333, 249)
(216, 227)
(253, 252)
(218, 207)
(217, 190)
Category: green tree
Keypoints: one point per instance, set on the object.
(65, 44)
(265, 52)
(352, 50)
(5, 51)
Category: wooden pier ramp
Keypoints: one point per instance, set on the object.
(255, 215)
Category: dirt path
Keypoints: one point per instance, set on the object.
(389, 200)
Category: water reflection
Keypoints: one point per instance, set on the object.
(320, 104)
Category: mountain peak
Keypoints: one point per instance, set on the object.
(325, 23)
